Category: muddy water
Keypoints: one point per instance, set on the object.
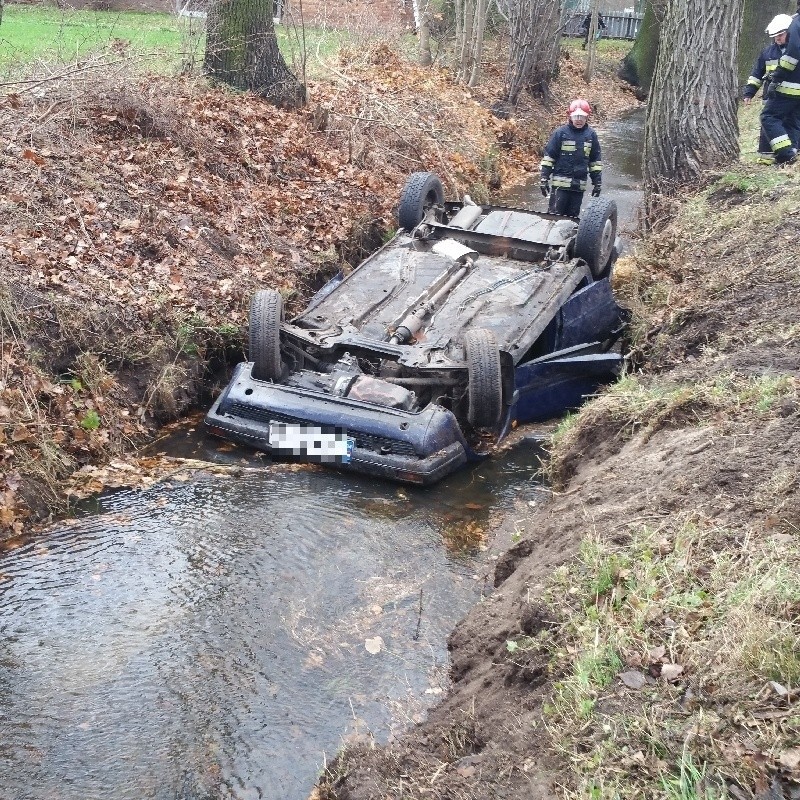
(221, 638)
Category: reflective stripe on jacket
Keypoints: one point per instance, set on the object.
(572, 156)
(763, 68)
(786, 75)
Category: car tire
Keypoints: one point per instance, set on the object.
(422, 191)
(597, 231)
(266, 315)
(485, 387)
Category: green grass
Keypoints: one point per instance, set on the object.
(164, 42)
(607, 47)
(30, 33)
(734, 628)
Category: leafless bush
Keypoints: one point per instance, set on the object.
(533, 47)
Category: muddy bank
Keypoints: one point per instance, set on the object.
(642, 637)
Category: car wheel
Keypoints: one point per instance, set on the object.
(485, 388)
(597, 231)
(422, 191)
(266, 315)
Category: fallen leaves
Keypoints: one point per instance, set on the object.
(671, 672)
(633, 679)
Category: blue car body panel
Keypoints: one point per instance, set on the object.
(414, 447)
(548, 387)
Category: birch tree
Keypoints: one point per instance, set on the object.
(691, 123)
(242, 51)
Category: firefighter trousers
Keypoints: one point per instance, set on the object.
(780, 121)
(566, 202)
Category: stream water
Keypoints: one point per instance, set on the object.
(223, 637)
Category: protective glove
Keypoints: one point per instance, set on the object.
(771, 90)
(596, 190)
(544, 185)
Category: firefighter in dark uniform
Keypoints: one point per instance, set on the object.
(780, 116)
(761, 75)
(571, 158)
(586, 26)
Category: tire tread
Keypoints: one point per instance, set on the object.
(419, 185)
(485, 378)
(589, 239)
(266, 314)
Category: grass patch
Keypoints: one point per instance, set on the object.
(611, 48)
(724, 613)
(41, 33)
(636, 406)
(702, 613)
(756, 181)
(164, 43)
(725, 241)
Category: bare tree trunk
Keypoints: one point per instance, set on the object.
(425, 58)
(691, 116)
(458, 13)
(588, 73)
(242, 51)
(464, 47)
(535, 34)
(477, 50)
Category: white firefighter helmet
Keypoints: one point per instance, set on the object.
(779, 24)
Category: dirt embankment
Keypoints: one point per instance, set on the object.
(642, 639)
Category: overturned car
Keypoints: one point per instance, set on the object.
(470, 319)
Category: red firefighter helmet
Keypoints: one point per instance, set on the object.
(579, 106)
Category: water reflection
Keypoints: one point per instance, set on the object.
(218, 638)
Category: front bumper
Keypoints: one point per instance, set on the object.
(419, 448)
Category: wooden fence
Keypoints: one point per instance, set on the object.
(618, 26)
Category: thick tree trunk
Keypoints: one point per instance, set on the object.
(691, 121)
(639, 64)
(242, 51)
(757, 14)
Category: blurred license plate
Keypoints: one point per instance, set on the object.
(311, 443)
